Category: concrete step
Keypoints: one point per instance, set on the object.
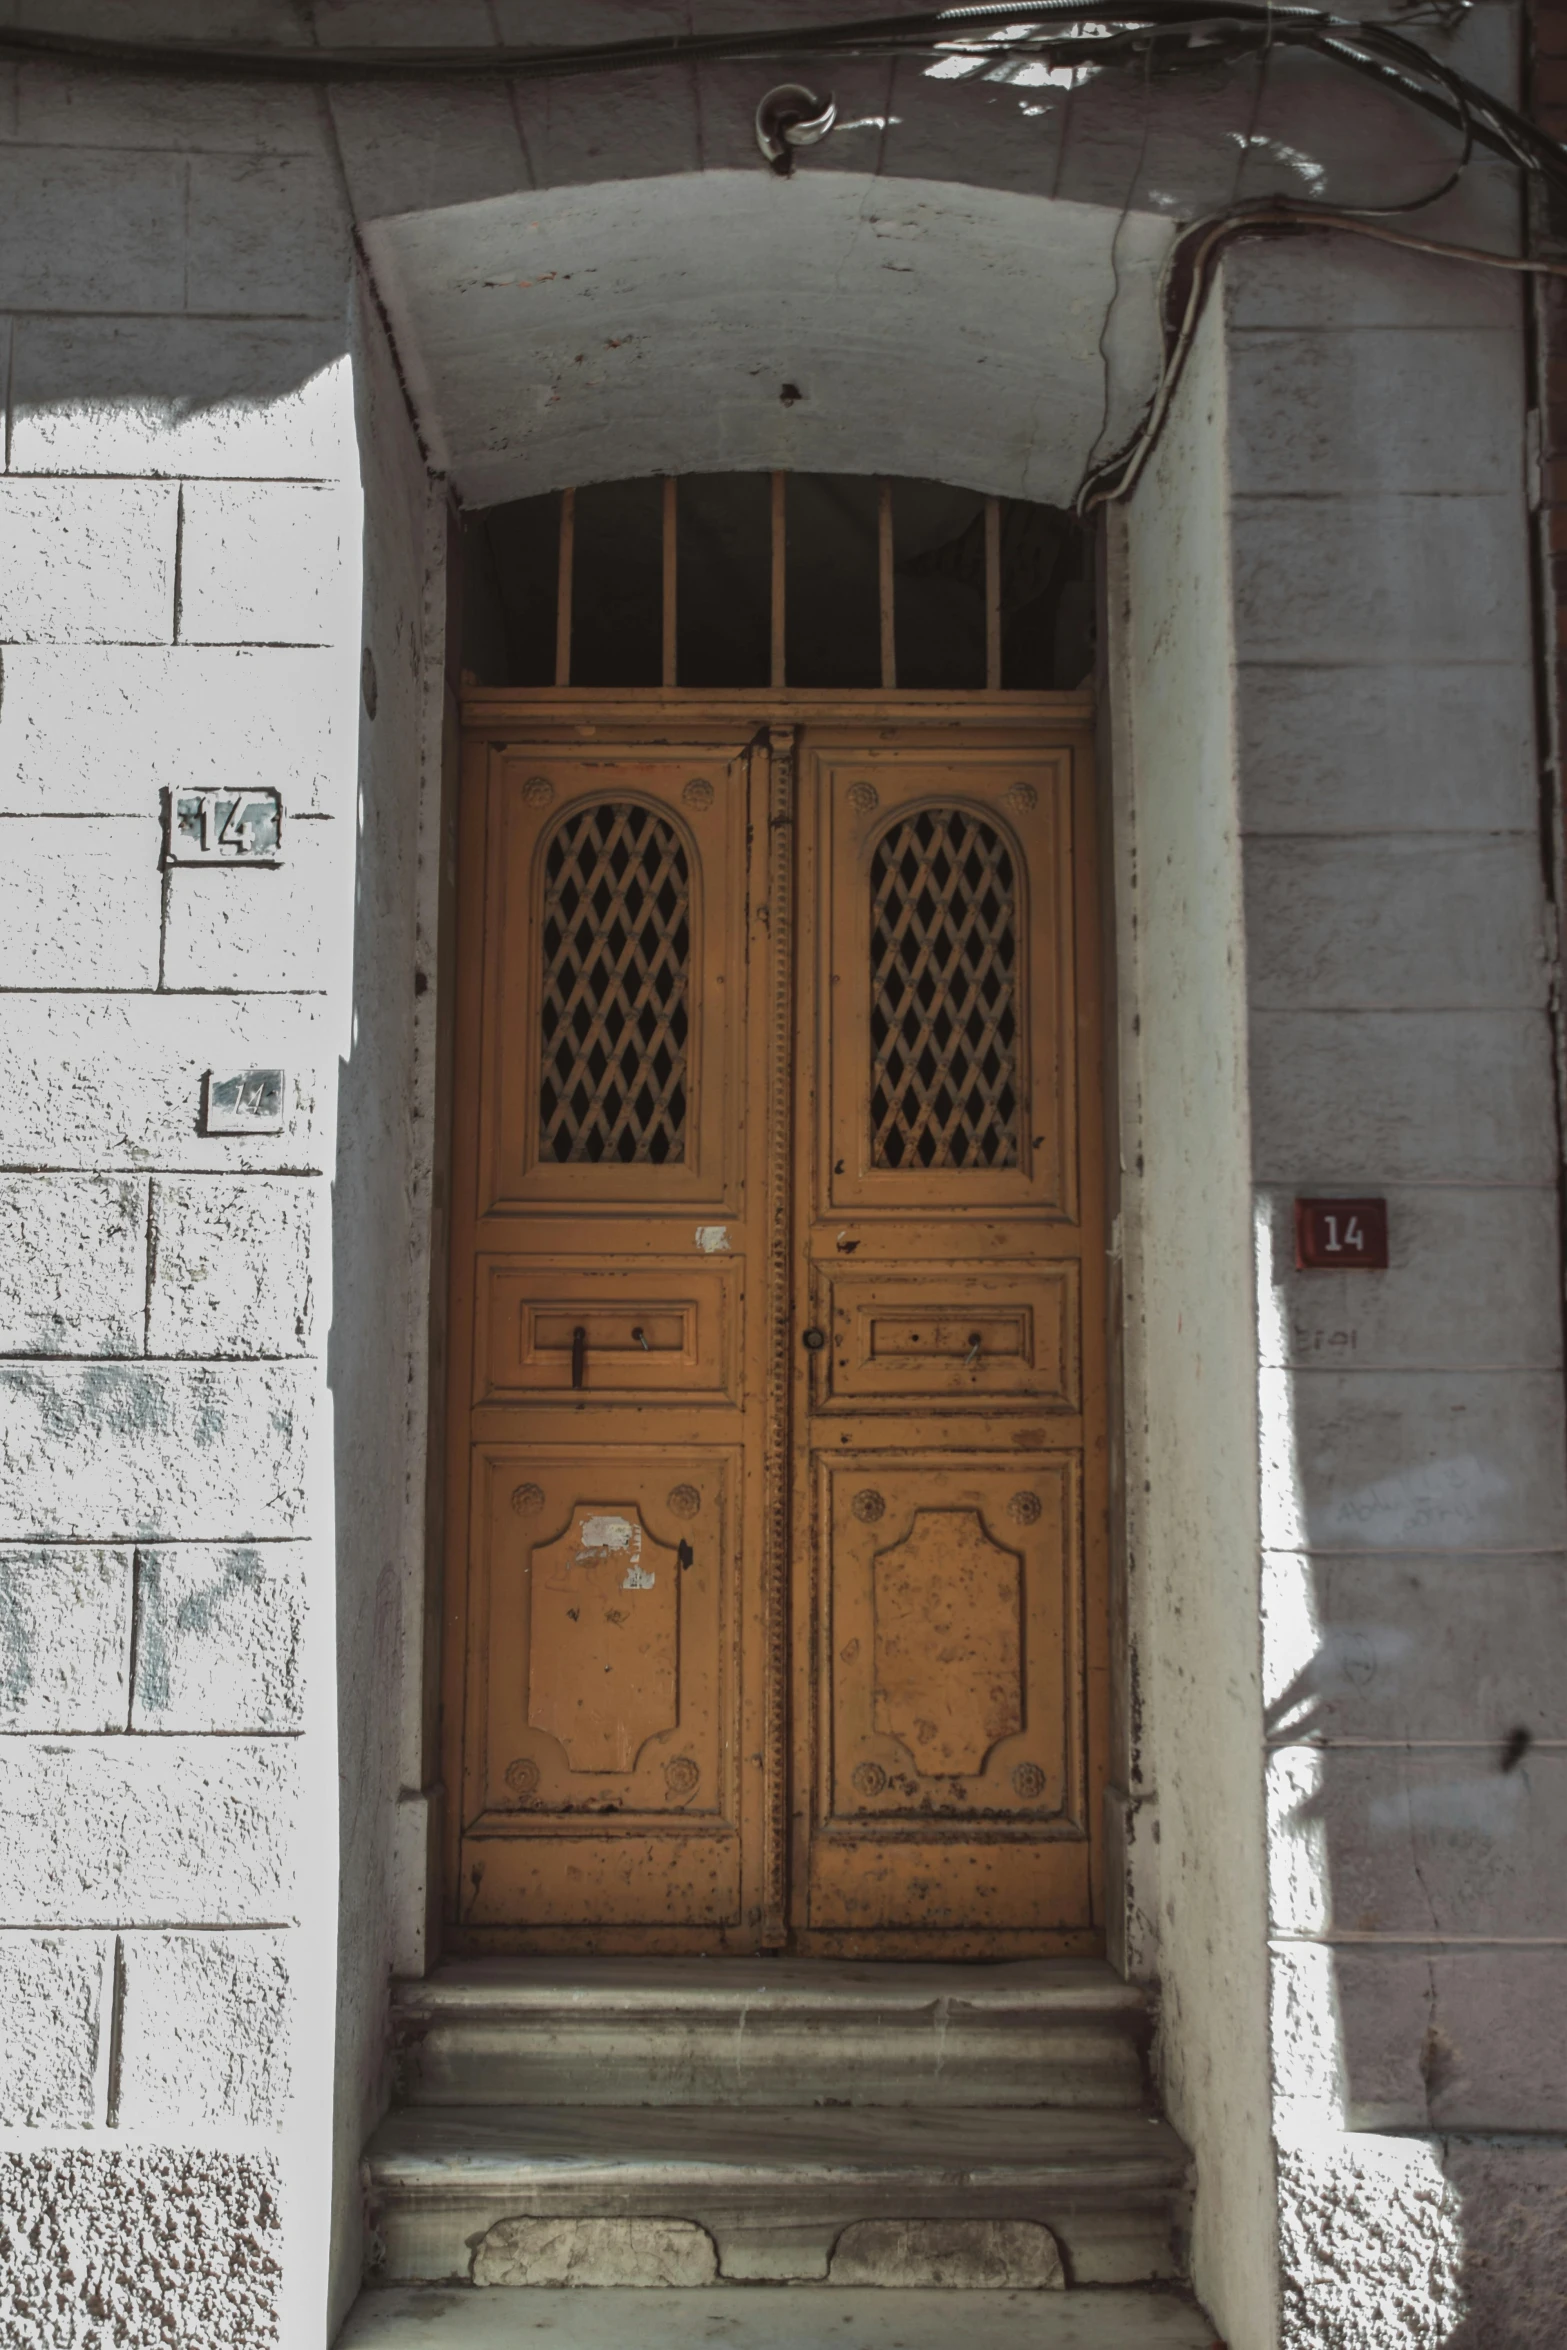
(776, 2317)
(605, 2031)
(776, 2190)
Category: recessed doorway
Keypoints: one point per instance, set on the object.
(775, 1588)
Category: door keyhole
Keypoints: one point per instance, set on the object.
(975, 1342)
(579, 1354)
(640, 1335)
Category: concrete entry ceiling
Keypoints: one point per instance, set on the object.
(727, 319)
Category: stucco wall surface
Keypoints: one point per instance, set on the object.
(180, 518)
(1194, 1791)
(382, 1272)
(1400, 967)
(1352, 995)
(139, 2247)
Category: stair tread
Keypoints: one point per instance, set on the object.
(764, 2317)
(722, 1987)
(491, 2146)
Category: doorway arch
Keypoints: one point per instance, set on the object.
(730, 321)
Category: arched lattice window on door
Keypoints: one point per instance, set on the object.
(944, 1027)
(616, 988)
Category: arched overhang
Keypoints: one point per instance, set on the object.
(729, 320)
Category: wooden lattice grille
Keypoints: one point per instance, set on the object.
(944, 1029)
(616, 1011)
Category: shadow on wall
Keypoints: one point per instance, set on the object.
(1418, 1965)
(168, 397)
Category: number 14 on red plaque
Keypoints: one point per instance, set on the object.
(1341, 1235)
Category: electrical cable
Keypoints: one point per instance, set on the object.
(1202, 242)
(1182, 33)
(1103, 344)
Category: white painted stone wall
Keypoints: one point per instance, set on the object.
(1192, 1803)
(180, 518)
(1400, 967)
(1343, 945)
(383, 1277)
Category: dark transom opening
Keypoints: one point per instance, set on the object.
(824, 581)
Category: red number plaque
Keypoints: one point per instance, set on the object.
(1341, 1235)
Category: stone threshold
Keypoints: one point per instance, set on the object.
(773, 2317)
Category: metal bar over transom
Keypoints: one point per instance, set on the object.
(568, 574)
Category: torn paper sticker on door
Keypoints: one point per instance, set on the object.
(604, 1534)
(608, 1533)
(713, 1239)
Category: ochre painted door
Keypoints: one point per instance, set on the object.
(949, 1431)
(774, 1604)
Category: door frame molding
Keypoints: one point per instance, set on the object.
(484, 707)
(778, 1227)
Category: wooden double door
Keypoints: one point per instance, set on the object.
(775, 1592)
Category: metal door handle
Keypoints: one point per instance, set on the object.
(579, 1354)
(640, 1335)
(975, 1342)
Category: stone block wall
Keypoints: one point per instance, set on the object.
(1400, 967)
(180, 518)
(1340, 724)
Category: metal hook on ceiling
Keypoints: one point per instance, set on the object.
(792, 116)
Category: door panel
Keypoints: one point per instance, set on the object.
(606, 1604)
(900, 1334)
(663, 1329)
(604, 1490)
(951, 1648)
(610, 1072)
(948, 925)
(950, 1488)
(776, 1493)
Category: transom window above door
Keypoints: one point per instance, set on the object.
(841, 582)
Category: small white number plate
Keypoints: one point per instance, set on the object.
(248, 1101)
(223, 828)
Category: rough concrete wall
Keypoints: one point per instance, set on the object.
(179, 526)
(1414, 1508)
(381, 1270)
(206, 2269)
(1195, 1767)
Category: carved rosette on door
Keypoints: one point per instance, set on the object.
(776, 1433)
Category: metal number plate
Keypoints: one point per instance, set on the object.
(220, 827)
(1341, 1235)
(248, 1101)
